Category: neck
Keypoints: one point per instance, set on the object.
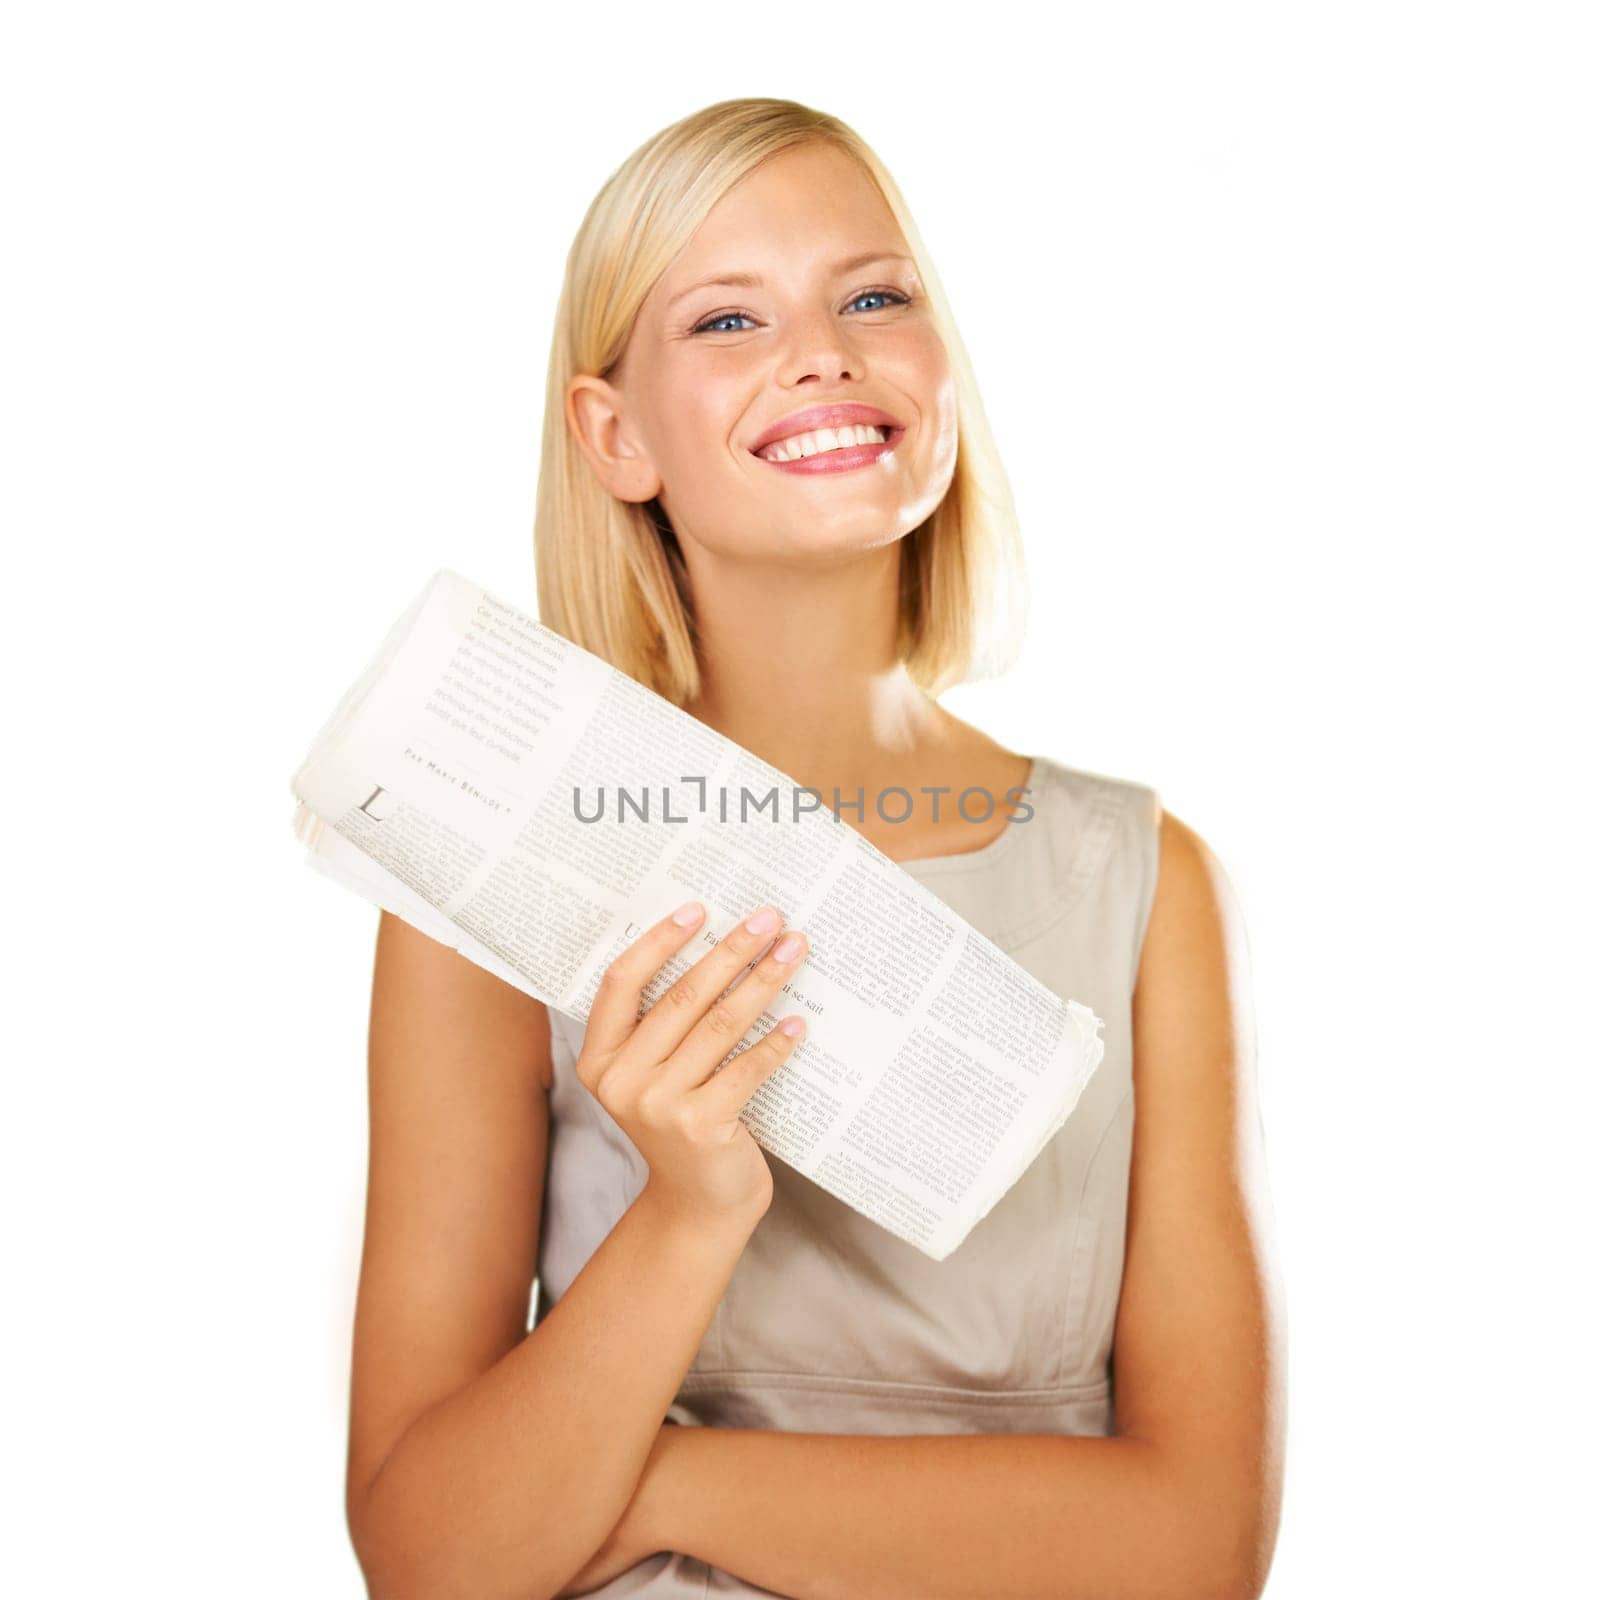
(799, 666)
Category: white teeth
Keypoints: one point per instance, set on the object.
(811, 444)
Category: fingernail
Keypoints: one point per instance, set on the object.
(792, 1026)
(687, 915)
(764, 921)
(788, 947)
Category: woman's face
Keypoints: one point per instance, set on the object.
(820, 306)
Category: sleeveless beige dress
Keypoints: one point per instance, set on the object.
(832, 1325)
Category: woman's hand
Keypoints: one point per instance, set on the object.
(659, 1076)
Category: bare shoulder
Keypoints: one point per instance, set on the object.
(439, 991)
(1196, 933)
(1200, 1343)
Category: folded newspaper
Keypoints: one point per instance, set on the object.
(461, 784)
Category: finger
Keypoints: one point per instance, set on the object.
(614, 1012)
(729, 1019)
(726, 1092)
(665, 1025)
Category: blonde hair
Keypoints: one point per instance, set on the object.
(611, 576)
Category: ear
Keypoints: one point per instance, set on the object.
(598, 417)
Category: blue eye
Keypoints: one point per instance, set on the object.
(710, 323)
(881, 294)
(892, 296)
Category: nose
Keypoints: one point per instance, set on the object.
(819, 351)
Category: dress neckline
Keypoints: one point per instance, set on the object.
(997, 846)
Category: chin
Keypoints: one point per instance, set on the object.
(842, 540)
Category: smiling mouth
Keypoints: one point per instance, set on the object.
(858, 441)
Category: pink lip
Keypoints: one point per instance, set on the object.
(846, 460)
(832, 416)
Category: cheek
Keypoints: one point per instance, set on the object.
(941, 432)
(696, 449)
(700, 420)
(688, 464)
(940, 409)
(926, 376)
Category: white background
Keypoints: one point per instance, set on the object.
(1285, 317)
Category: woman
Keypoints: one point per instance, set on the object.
(736, 1384)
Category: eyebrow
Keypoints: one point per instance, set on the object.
(751, 280)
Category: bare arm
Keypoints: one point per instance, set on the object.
(1183, 1501)
(487, 1460)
